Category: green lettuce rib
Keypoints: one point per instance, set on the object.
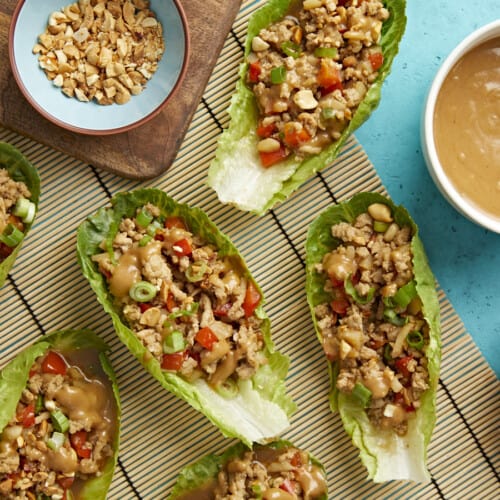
(21, 170)
(262, 407)
(15, 374)
(385, 455)
(236, 174)
(206, 469)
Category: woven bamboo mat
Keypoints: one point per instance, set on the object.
(160, 434)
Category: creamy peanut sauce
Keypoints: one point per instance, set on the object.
(467, 126)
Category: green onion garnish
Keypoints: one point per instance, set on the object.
(143, 218)
(362, 394)
(291, 49)
(25, 209)
(415, 339)
(349, 288)
(387, 353)
(257, 490)
(56, 441)
(11, 236)
(39, 406)
(278, 75)
(227, 389)
(405, 294)
(326, 52)
(145, 240)
(391, 316)
(142, 291)
(327, 113)
(192, 309)
(380, 227)
(59, 421)
(174, 342)
(196, 271)
(153, 227)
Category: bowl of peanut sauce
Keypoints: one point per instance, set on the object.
(460, 129)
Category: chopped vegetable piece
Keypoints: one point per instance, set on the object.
(11, 236)
(349, 288)
(65, 482)
(293, 137)
(252, 299)
(329, 76)
(39, 404)
(54, 363)
(142, 291)
(227, 389)
(401, 365)
(153, 227)
(339, 306)
(144, 218)
(173, 361)
(376, 60)
(185, 312)
(182, 247)
(267, 159)
(392, 317)
(25, 209)
(327, 113)
(362, 394)
(145, 240)
(59, 421)
(27, 416)
(405, 294)
(206, 337)
(254, 71)
(55, 441)
(266, 130)
(291, 49)
(380, 227)
(196, 271)
(174, 221)
(387, 353)
(287, 485)
(415, 339)
(330, 52)
(174, 342)
(278, 75)
(78, 441)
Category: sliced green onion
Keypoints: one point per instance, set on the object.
(326, 52)
(28, 219)
(415, 339)
(25, 209)
(196, 271)
(174, 342)
(380, 227)
(362, 394)
(278, 75)
(387, 353)
(143, 218)
(405, 294)
(349, 288)
(327, 113)
(291, 49)
(227, 389)
(39, 406)
(192, 309)
(56, 441)
(153, 227)
(60, 421)
(257, 491)
(11, 236)
(142, 291)
(391, 316)
(145, 240)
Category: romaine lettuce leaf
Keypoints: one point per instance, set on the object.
(236, 173)
(262, 409)
(385, 455)
(21, 170)
(15, 374)
(205, 470)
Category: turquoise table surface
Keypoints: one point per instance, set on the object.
(465, 258)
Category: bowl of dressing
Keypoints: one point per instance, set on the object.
(460, 129)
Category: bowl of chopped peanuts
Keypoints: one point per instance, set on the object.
(98, 67)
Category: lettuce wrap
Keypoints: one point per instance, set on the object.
(385, 453)
(18, 169)
(198, 480)
(236, 173)
(94, 364)
(258, 407)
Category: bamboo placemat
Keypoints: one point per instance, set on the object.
(160, 434)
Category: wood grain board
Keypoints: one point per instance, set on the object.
(150, 149)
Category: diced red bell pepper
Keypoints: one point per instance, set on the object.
(336, 282)
(182, 247)
(273, 157)
(206, 338)
(5, 251)
(78, 440)
(401, 365)
(170, 302)
(54, 363)
(288, 486)
(173, 361)
(376, 60)
(399, 399)
(65, 482)
(340, 306)
(27, 416)
(144, 306)
(293, 137)
(222, 310)
(296, 459)
(252, 299)
(254, 71)
(266, 130)
(174, 221)
(328, 77)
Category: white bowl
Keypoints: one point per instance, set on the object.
(455, 198)
(30, 19)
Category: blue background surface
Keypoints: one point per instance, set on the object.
(464, 257)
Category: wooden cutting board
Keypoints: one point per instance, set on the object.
(148, 150)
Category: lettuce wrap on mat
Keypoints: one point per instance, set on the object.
(183, 301)
(19, 193)
(277, 470)
(59, 419)
(374, 305)
(312, 74)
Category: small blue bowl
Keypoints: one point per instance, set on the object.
(30, 20)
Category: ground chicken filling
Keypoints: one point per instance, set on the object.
(60, 435)
(11, 225)
(374, 327)
(310, 71)
(192, 308)
(265, 473)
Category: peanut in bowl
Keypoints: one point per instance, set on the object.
(98, 67)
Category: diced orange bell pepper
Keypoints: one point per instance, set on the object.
(269, 159)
